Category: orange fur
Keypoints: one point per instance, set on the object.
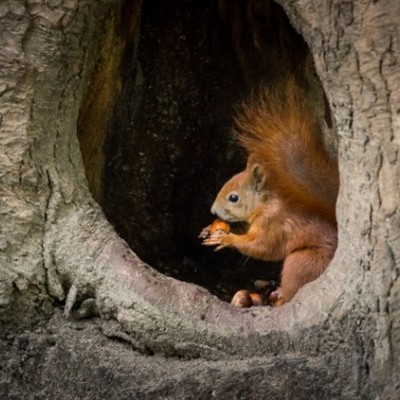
(286, 194)
(280, 132)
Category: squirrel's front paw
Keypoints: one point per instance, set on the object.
(205, 233)
(220, 239)
(216, 234)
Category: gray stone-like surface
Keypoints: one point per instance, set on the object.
(69, 360)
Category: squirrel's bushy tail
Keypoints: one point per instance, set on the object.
(279, 131)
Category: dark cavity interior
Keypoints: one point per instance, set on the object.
(155, 123)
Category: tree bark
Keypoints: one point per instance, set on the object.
(338, 338)
(356, 56)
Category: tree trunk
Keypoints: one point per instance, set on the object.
(337, 339)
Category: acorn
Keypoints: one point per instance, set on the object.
(219, 225)
(242, 299)
(257, 299)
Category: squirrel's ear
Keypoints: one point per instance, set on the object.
(258, 176)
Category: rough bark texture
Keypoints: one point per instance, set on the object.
(356, 54)
(337, 339)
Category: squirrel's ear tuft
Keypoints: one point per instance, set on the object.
(258, 177)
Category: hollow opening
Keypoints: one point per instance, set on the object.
(155, 124)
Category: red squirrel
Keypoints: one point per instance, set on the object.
(286, 194)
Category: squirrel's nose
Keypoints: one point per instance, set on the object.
(213, 209)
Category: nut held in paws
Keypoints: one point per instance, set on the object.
(219, 225)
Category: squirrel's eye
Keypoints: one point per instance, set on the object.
(233, 197)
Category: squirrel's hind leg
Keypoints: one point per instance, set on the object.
(300, 267)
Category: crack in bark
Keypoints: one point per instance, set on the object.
(53, 282)
(387, 52)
